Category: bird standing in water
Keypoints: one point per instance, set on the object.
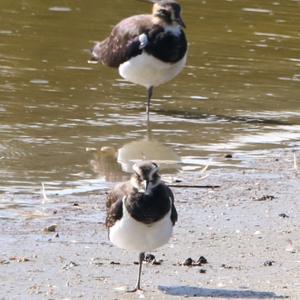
(141, 212)
(148, 49)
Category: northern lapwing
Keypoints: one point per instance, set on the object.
(148, 49)
(141, 212)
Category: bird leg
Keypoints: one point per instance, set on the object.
(149, 92)
(138, 283)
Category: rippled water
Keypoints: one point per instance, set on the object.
(77, 127)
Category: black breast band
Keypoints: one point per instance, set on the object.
(165, 45)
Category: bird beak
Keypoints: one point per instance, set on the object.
(94, 56)
(180, 22)
(93, 60)
(143, 187)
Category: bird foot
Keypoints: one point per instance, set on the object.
(136, 289)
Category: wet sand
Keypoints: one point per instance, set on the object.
(247, 229)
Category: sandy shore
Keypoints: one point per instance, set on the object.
(248, 230)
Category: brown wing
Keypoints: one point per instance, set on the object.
(114, 203)
(123, 42)
(114, 209)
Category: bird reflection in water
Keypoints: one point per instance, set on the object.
(104, 164)
(113, 164)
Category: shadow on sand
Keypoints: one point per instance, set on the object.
(191, 291)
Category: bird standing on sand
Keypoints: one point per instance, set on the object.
(141, 212)
(148, 49)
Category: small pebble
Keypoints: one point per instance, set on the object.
(4, 262)
(188, 262)
(192, 263)
(264, 198)
(269, 263)
(224, 266)
(202, 260)
(149, 258)
(51, 228)
(19, 259)
(283, 215)
(70, 265)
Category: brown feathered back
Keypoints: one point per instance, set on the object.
(123, 42)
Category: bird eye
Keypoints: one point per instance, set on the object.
(163, 13)
(138, 176)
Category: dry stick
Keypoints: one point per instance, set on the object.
(45, 198)
(194, 186)
(205, 168)
(197, 186)
(295, 162)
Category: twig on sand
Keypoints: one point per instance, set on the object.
(204, 170)
(45, 198)
(195, 186)
(295, 162)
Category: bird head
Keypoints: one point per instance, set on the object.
(168, 11)
(145, 175)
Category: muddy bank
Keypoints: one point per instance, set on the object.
(247, 230)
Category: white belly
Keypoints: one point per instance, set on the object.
(148, 71)
(130, 234)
